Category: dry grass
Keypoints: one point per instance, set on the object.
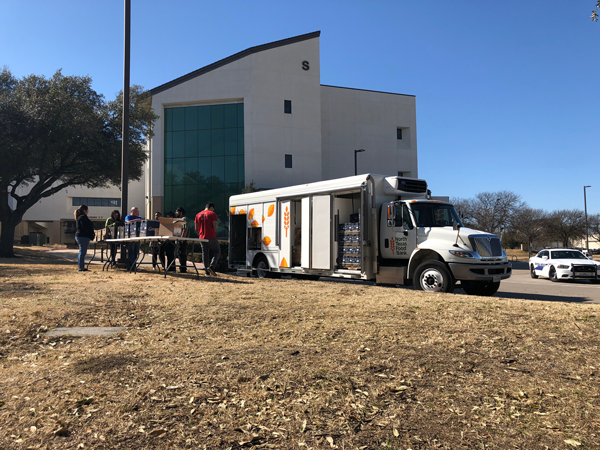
(245, 363)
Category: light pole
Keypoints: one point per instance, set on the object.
(355, 163)
(587, 242)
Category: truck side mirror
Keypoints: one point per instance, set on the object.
(456, 226)
(391, 215)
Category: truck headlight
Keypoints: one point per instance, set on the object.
(461, 254)
(563, 266)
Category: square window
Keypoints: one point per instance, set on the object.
(105, 202)
(288, 161)
(287, 106)
(399, 134)
(76, 201)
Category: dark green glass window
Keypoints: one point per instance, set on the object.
(230, 116)
(191, 143)
(216, 116)
(178, 119)
(179, 144)
(231, 137)
(204, 118)
(204, 158)
(191, 118)
(217, 138)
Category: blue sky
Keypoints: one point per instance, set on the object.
(506, 90)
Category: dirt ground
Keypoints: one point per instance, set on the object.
(230, 362)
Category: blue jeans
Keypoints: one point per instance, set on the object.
(134, 250)
(83, 243)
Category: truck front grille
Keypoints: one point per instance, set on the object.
(584, 268)
(486, 246)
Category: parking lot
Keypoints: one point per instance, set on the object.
(521, 285)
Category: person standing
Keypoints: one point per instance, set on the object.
(168, 248)
(134, 247)
(114, 219)
(84, 233)
(182, 253)
(206, 223)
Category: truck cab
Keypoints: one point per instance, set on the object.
(429, 241)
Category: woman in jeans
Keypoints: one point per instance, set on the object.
(83, 235)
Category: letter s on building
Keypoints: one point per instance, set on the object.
(305, 65)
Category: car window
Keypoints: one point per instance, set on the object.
(402, 218)
(543, 253)
(567, 254)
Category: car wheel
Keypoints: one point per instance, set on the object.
(552, 274)
(433, 276)
(481, 288)
(532, 271)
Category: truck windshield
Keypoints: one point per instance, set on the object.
(435, 215)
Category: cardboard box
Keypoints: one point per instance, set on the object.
(100, 235)
(168, 228)
(149, 228)
(132, 229)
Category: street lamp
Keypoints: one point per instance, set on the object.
(355, 164)
(587, 242)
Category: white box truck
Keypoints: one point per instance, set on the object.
(366, 227)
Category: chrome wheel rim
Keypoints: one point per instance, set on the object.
(432, 280)
(261, 269)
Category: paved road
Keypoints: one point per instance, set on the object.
(521, 285)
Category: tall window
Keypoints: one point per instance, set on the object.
(399, 134)
(287, 106)
(288, 161)
(204, 158)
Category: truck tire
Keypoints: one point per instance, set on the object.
(261, 267)
(433, 276)
(481, 288)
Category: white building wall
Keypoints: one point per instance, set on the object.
(356, 119)
(262, 81)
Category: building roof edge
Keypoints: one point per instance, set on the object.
(232, 58)
(367, 90)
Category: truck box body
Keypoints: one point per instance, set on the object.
(369, 227)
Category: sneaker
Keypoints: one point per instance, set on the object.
(83, 270)
(212, 272)
(206, 272)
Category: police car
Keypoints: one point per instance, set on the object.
(564, 264)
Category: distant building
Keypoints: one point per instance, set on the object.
(263, 115)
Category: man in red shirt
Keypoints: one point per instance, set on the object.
(206, 223)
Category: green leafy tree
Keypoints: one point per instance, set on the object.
(58, 132)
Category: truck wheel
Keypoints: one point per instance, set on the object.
(552, 274)
(532, 271)
(433, 276)
(481, 288)
(261, 267)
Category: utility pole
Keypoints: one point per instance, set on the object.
(355, 162)
(587, 242)
(125, 129)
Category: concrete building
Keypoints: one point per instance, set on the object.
(263, 116)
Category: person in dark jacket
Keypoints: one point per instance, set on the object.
(83, 235)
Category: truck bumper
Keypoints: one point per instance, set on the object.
(481, 272)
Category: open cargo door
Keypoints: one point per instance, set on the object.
(321, 232)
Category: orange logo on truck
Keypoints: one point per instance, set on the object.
(283, 263)
(263, 219)
(286, 222)
(271, 210)
(233, 210)
(254, 224)
(251, 214)
(266, 241)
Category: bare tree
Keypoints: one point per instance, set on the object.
(529, 225)
(594, 228)
(490, 211)
(566, 225)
